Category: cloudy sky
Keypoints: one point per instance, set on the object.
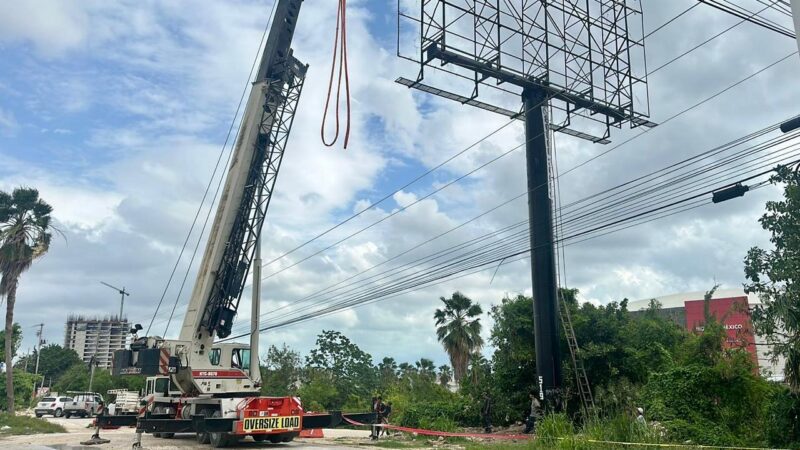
(117, 112)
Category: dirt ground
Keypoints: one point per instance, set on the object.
(77, 431)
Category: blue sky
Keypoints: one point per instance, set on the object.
(117, 112)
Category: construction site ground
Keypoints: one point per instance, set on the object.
(78, 430)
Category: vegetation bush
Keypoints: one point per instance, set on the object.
(23, 389)
(782, 418)
(27, 425)
(620, 427)
(440, 416)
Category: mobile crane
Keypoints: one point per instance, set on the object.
(214, 388)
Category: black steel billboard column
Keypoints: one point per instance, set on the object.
(543, 268)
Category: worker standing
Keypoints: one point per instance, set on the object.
(387, 411)
(640, 417)
(530, 423)
(486, 413)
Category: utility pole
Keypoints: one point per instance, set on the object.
(255, 312)
(796, 18)
(122, 294)
(92, 364)
(39, 342)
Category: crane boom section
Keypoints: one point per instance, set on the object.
(251, 176)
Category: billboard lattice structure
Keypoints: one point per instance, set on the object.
(587, 55)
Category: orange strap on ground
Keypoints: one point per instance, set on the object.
(340, 54)
(441, 433)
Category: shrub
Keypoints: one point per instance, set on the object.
(782, 419)
(27, 425)
(554, 427)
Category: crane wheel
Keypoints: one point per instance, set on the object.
(204, 438)
(218, 439)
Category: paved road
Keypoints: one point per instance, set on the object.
(123, 438)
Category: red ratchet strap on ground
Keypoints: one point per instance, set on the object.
(442, 433)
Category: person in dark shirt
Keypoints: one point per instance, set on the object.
(387, 412)
(373, 408)
(379, 412)
(486, 413)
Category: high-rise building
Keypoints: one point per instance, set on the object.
(96, 336)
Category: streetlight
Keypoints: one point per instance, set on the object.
(122, 293)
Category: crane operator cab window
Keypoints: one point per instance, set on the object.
(240, 358)
(213, 356)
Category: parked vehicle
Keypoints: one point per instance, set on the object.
(51, 406)
(83, 404)
(125, 402)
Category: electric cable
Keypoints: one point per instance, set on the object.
(702, 43)
(668, 181)
(504, 260)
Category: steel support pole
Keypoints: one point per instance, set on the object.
(543, 267)
(38, 353)
(255, 313)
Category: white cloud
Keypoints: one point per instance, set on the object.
(52, 26)
(8, 122)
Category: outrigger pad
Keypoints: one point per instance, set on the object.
(95, 440)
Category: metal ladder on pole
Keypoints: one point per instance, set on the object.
(584, 389)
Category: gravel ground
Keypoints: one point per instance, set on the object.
(77, 431)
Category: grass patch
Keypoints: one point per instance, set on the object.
(393, 444)
(27, 425)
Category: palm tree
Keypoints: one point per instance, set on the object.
(459, 330)
(24, 236)
(426, 368)
(445, 375)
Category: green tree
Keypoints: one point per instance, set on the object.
(445, 375)
(280, 372)
(387, 372)
(75, 378)
(23, 389)
(426, 369)
(54, 362)
(775, 276)
(17, 339)
(458, 328)
(349, 368)
(24, 236)
(514, 358)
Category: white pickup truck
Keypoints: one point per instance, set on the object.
(83, 404)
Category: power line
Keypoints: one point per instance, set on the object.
(665, 183)
(704, 42)
(747, 16)
(667, 120)
(521, 255)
